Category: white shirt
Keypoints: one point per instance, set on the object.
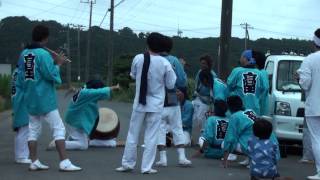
(309, 74)
(160, 75)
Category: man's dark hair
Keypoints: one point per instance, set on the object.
(220, 108)
(260, 59)
(262, 128)
(208, 60)
(317, 34)
(235, 104)
(167, 44)
(95, 84)
(39, 33)
(154, 42)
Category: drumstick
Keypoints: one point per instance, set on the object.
(53, 52)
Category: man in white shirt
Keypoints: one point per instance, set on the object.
(152, 74)
(309, 74)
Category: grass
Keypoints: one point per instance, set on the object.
(5, 92)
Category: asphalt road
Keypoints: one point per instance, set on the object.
(99, 163)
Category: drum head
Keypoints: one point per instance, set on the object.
(108, 120)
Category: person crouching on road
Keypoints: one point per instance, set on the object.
(82, 115)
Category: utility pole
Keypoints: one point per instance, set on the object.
(110, 49)
(180, 33)
(79, 54)
(246, 26)
(79, 28)
(225, 36)
(68, 53)
(87, 62)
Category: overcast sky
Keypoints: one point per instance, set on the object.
(195, 18)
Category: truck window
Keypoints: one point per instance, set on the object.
(285, 76)
(269, 69)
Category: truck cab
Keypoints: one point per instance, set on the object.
(286, 107)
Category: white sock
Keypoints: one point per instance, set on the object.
(163, 156)
(182, 154)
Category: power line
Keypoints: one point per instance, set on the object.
(108, 10)
(146, 7)
(136, 21)
(75, 13)
(165, 15)
(82, 13)
(131, 9)
(155, 4)
(36, 8)
(280, 33)
(51, 8)
(278, 15)
(67, 7)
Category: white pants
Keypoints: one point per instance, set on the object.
(21, 149)
(238, 148)
(79, 140)
(103, 143)
(314, 126)
(55, 123)
(152, 124)
(199, 113)
(187, 138)
(171, 116)
(307, 146)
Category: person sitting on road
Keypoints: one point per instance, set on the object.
(214, 132)
(240, 130)
(208, 88)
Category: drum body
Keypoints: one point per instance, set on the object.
(108, 125)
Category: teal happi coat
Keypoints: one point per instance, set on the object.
(214, 133)
(38, 78)
(249, 84)
(82, 111)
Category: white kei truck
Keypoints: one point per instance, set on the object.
(286, 106)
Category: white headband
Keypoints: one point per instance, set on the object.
(316, 40)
